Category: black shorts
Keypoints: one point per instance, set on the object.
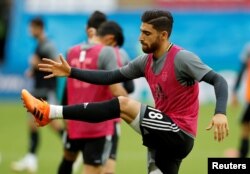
(115, 140)
(95, 150)
(169, 142)
(246, 115)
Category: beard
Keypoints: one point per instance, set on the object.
(150, 48)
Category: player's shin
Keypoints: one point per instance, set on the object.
(93, 112)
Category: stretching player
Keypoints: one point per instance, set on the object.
(172, 73)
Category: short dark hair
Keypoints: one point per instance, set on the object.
(96, 19)
(111, 27)
(37, 22)
(161, 20)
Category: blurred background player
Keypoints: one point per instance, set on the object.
(245, 121)
(94, 140)
(5, 13)
(44, 89)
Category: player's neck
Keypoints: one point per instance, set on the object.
(94, 40)
(41, 38)
(162, 49)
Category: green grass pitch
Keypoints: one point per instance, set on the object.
(131, 156)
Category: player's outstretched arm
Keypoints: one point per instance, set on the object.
(98, 77)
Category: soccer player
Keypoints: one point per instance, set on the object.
(93, 139)
(245, 121)
(44, 89)
(111, 34)
(173, 73)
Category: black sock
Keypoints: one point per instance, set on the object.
(65, 167)
(93, 112)
(34, 141)
(244, 148)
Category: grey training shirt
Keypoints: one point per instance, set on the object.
(188, 67)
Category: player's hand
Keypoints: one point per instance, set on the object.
(60, 68)
(220, 125)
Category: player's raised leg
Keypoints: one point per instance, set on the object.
(127, 109)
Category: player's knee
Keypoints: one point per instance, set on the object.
(70, 156)
(123, 101)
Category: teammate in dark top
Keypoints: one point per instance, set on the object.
(173, 73)
(42, 89)
(245, 121)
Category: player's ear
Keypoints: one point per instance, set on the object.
(164, 35)
(111, 37)
(91, 32)
(111, 40)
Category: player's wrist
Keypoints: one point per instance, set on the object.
(219, 113)
(69, 72)
(72, 72)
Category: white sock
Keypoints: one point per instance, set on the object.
(135, 124)
(31, 156)
(56, 112)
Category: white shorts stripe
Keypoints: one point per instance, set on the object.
(173, 126)
(157, 121)
(157, 128)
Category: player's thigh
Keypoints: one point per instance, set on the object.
(96, 150)
(161, 133)
(160, 162)
(167, 164)
(71, 148)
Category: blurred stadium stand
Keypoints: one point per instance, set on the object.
(216, 30)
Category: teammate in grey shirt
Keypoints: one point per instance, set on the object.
(169, 128)
(45, 89)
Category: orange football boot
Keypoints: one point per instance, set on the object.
(38, 108)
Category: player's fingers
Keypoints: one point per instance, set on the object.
(227, 129)
(42, 65)
(49, 61)
(49, 76)
(210, 126)
(62, 59)
(224, 132)
(215, 133)
(221, 132)
(45, 69)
